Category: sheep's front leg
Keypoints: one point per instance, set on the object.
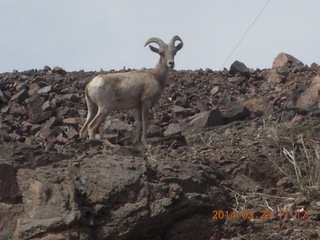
(145, 110)
(138, 118)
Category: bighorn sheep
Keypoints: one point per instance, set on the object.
(130, 90)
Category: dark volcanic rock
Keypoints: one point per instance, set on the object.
(241, 68)
(34, 109)
(202, 120)
(236, 112)
(9, 190)
(20, 96)
(139, 196)
(56, 186)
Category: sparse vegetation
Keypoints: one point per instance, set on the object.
(9, 235)
(305, 167)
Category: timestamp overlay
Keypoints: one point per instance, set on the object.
(264, 215)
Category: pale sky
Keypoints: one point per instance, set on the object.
(110, 34)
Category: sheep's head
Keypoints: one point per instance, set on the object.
(166, 51)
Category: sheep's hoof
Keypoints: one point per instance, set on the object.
(135, 141)
(144, 143)
(105, 141)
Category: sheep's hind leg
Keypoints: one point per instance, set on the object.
(95, 123)
(92, 112)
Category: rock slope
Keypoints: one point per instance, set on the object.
(227, 158)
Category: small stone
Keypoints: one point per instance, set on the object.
(33, 88)
(72, 133)
(179, 112)
(45, 90)
(17, 109)
(21, 96)
(154, 131)
(172, 129)
(48, 106)
(26, 126)
(214, 90)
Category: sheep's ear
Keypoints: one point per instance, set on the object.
(154, 49)
(179, 46)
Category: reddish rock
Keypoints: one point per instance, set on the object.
(311, 94)
(74, 121)
(201, 120)
(33, 88)
(284, 59)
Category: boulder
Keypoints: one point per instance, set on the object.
(236, 112)
(201, 120)
(240, 68)
(311, 94)
(285, 60)
(110, 196)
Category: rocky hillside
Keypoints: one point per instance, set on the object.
(232, 154)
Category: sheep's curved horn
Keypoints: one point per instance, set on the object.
(174, 39)
(155, 40)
